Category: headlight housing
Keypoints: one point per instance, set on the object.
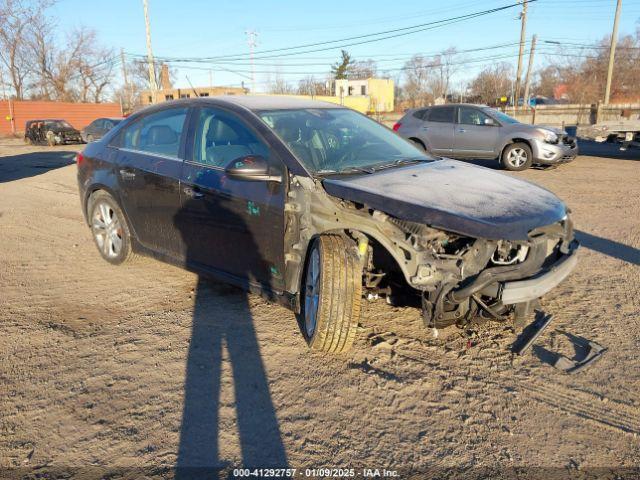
(549, 136)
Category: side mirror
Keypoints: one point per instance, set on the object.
(489, 121)
(251, 168)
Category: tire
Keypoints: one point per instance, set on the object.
(331, 295)
(517, 157)
(112, 240)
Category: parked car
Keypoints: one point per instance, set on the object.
(475, 131)
(98, 128)
(313, 204)
(51, 132)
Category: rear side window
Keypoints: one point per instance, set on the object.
(442, 114)
(157, 133)
(420, 113)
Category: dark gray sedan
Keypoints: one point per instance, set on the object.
(98, 128)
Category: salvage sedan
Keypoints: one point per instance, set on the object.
(315, 205)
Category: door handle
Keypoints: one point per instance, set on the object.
(193, 192)
(127, 174)
(461, 130)
(425, 128)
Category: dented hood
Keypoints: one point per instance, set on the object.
(454, 196)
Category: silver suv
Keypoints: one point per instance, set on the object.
(475, 131)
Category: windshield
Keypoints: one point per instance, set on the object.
(502, 117)
(57, 124)
(336, 140)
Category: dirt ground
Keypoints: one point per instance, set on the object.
(129, 371)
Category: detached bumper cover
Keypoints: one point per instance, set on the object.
(526, 290)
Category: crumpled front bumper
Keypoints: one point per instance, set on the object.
(519, 291)
(550, 154)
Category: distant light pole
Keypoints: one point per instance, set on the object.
(612, 52)
(523, 32)
(153, 85)
(251, 40)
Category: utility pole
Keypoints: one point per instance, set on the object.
(251, 41)
(523, 32)
(153, 85)
(210, 78)
(124, 78)
(612, 52)
(527, 81)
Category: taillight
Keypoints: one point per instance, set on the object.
(397, 126)
(79, 158)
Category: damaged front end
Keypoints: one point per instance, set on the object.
(493, 278)
(454, 277)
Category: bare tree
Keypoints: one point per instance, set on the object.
(492, 83)
(363, 69)
(280, 86)
(16, 17)
(415, 90)
(312, 86)
(79, 70)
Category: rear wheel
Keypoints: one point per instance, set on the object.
(517, 157)
(109, 227)
(332, 293)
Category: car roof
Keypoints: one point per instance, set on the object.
(271, 102)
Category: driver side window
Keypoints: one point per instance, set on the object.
(472, 116)
(221, 137)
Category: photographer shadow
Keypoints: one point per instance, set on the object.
(222, 319)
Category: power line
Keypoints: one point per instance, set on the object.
(393, 33)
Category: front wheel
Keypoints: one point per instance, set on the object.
(109, 227)
(331, 295)
(517, 157)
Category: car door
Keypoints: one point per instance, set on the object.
(437, 129)
(476, 134)
(149, 162)
(230, 226)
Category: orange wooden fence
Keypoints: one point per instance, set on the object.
(15, 113)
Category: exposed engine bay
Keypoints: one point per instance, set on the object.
(452, 277)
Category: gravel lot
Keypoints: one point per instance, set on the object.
(138, 368)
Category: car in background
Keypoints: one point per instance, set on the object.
(468, 131)
(51, 131)
(98, 128)
(314, 205)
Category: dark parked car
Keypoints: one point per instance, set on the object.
(314, 204)
(476, 131)
(98, 128)
(51, 132)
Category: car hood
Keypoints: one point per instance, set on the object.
(454, 196)
(64, 130)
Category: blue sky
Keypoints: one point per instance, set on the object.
(199, 28)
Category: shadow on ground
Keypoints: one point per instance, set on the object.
(610, 151)
(15, 167)
(222, 321)
(608, 247)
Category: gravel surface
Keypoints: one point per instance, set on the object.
(141, 367)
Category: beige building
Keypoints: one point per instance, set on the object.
(162, 95)
(377, 93)
(167, 92)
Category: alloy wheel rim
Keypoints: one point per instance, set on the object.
(312, 293)
(517, 157)
(107, 230)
